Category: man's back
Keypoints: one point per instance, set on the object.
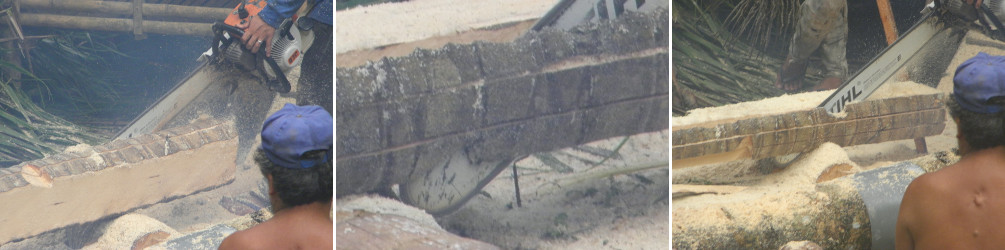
(300, 227)
(961, 206)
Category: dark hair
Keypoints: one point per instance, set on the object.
(982, 131)
(299, 186)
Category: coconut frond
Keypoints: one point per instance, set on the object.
(764, 23)
(711, 66)
(71, 65)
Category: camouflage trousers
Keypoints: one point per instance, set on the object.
(822, 24)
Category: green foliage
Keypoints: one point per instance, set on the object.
(27, 132)
(764, 23)
(711, 66)
(70, 66)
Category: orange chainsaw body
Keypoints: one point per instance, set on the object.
(252, 7)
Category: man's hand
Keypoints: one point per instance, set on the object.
(257, 33)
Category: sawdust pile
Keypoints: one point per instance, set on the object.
(974, 42)
(381, 205)
(789, 103)
(769, 106)
(126, 230)
(900, 89)
(777, 198)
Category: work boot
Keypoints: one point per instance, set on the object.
(790, 77)
(829, 83)
(450, 184)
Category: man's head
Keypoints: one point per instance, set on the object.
(296, 154)
(978, 101)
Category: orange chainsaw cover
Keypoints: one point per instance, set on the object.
(253, 7)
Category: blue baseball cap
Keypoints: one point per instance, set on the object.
(295, 130)
(979, 79)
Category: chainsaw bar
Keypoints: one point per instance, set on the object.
(170, 104)
(877, 71)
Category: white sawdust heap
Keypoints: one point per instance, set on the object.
(739, 111)
(779, 197)
(124, 231)
(900, 89)
(393, 23)
(381, 205)
(790, 103)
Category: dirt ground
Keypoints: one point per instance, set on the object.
(594, 196)
(569, 201)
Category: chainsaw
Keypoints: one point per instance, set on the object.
(941, 28)
(288, 42)
(288, 45)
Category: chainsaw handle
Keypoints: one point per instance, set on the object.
(218, 27)
(280, 84)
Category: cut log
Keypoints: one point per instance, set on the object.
(126, 9)
(833, 215)
(85, 185)
(115, 24)
(800, 131)
(851, 212)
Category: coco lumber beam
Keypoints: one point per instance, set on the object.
(87, 184)
(795, 132)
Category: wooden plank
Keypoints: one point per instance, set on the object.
(138, 20)
(800, 134)
(75, 189)
(856, 111)
(743, 151)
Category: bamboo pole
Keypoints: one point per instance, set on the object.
(126, 9)
(115, 24)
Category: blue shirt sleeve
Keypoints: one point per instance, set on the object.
(278, 10)
(323, 12)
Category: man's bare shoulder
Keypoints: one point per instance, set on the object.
(283, 232)
(239, 240)
(256, 237)
(934, 185)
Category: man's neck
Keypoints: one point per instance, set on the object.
(315, 208)
(996, 150)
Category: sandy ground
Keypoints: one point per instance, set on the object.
(386, 24)
(622, 203)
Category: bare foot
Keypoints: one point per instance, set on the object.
(787, 86)
(829, 83)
